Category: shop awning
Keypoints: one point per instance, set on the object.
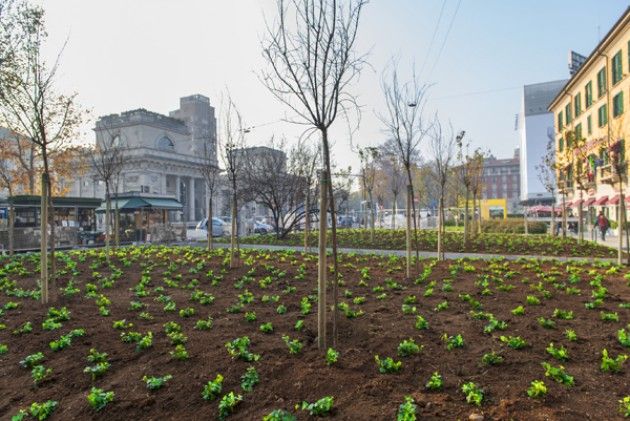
(168, 204)
(601, 201)
(614, 200)
(590, 201)
(135, 203)
(577, 202)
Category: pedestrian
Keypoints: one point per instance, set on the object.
(603, 224)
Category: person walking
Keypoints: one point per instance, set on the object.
(603, 224)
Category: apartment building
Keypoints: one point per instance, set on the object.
(592, 123)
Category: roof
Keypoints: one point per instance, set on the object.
(620, 25)
(134, 203)
(538, 96)
(61, 202)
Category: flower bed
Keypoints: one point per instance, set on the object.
(173, 333)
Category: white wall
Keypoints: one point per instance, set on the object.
(533, 138)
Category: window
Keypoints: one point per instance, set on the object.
(589, 125)
(569, 139)
(618, 104)
(617, 68)
(602, 115)
(560, 121)
(145, 189)
(560, 144)
(568, 114)
(577, 104)
(166, 144)
(588, 94)
(578, 132)
(601, 82)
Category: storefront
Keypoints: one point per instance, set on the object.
(74, 219)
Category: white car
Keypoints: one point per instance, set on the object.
(218, 227)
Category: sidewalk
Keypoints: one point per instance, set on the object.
(611, 240)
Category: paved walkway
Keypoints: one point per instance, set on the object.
(423, 254)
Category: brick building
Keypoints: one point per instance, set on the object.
(501, 180)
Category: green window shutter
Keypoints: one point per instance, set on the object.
(561, 144)
(560, 121)
(589, 125)
(601, 82)
(588, 94)
(618, 104)
(568, 114)
(577, 104)
(617, 68)
(602, 116)
(578, 132)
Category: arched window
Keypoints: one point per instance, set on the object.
(117, 141)
(166, 143)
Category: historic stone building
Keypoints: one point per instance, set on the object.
(164, 154)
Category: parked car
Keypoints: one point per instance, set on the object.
(218, 226)
(262, 228)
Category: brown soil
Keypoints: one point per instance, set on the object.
(360, 391)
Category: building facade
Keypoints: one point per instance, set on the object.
(163, 156)
(501, 180)
(592, 126)
(535, 130)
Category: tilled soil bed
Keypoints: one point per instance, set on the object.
(377, 316)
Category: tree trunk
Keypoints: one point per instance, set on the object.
(564, 216)
(580, 220)
(108, 210)
(466, 222)
(210, 224)
(52, 238)
(553, 216)
(307, 221)
(11, 222)
(43, 264)
(621, 224)
(372, 216)
(473, 220)
(333, 216)
(394, 211)
(322, 267)
(116, 222)
(439, 230)
(234, 228)
(408, 230)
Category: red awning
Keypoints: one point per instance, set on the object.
(614, 200)
(577, 203)
(590, 201)
(601, 201)
(568, 204)
(627, 199)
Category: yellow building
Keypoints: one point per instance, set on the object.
(592, 122)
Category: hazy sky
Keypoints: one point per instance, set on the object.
(125, 54)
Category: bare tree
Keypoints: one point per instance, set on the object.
(305, 159)
(442, 145)
(310, 50)
(233, 142)
(275, 185)
(30, 106)
(108, 159)
(405, 125)
(368, 156)
(210, 173)
(547, 175)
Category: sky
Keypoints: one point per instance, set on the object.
(476, 54)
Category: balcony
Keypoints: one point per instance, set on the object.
(608, 174)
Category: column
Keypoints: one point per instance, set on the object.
(191, 201)
(178, 196)
(163, 192)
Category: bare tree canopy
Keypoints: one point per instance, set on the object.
(312, 62)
